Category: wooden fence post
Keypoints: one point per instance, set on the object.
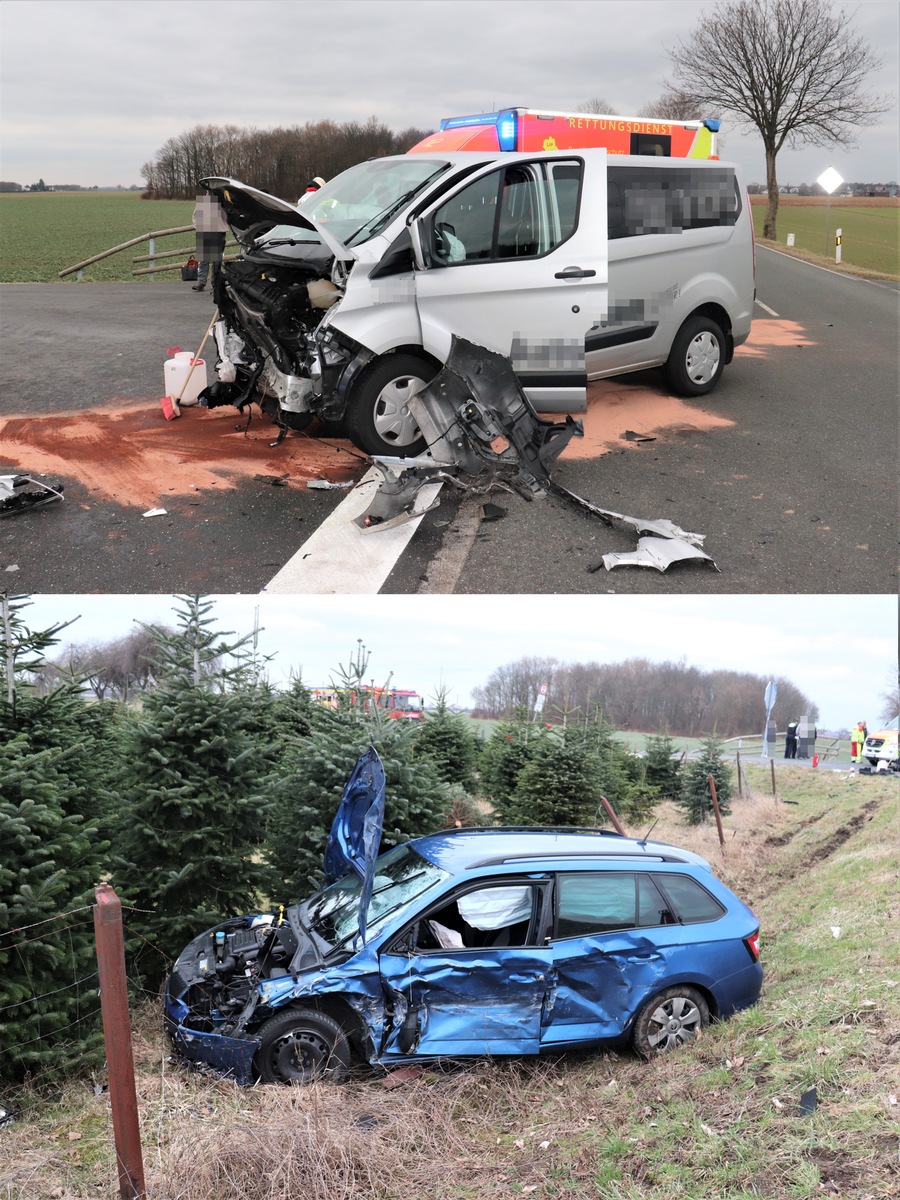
(740, 785)
(715, 800)
(612, 816)
(772, 765)
(117, 1037)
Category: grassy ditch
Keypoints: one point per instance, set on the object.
(719, 1119)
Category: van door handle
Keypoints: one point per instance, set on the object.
(574, 273)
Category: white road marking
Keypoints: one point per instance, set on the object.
(339, 558)
(765, 308)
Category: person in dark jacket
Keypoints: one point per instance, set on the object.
(790, 739)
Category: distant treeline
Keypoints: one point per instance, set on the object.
(637, 694)
(281, 161)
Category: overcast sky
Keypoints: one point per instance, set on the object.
(91, 89)
(839, 650)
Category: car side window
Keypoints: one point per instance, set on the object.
(519, 211)
(690, 902)
(644, 200)
(606, 901)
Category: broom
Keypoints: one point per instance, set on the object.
(170, 405)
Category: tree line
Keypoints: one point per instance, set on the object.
(280, 161)
(211, 794)
(638, 694)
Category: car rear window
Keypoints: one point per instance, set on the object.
(690, 902)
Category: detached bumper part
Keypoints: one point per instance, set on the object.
(233, 1057)
(18, 492)
(656, 552)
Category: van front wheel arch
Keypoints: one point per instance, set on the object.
(697, 358)
(378, 418)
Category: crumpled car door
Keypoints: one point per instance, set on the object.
(462, 1002)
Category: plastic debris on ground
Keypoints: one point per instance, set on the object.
(21, 492)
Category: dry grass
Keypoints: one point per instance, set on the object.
(717, 1120)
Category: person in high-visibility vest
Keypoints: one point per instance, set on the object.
(857, 737)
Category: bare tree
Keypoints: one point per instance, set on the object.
(597, 104)
(793, 69)
(672, 105)
(890, 698)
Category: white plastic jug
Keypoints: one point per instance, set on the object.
(176, 372)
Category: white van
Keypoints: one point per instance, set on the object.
(574, 265)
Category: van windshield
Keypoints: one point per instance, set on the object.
(357, 204)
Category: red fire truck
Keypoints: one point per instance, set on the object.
(532, 129)
(397, 704)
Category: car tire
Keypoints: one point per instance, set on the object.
(378, 419)
(301, 1045)
(697, 357)
(669, 1020)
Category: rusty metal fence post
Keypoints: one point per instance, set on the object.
(772, 764)
(117, 1037)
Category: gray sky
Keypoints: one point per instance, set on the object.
(838, 649)
(91, 89)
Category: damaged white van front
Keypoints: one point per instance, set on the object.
(345, 306)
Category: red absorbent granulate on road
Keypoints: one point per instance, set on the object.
(771, 332)
(615, 407)
(131, 454)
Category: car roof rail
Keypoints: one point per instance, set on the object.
(588, 855)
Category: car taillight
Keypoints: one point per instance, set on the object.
(752, 944)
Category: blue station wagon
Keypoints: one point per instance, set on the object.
(475, 941)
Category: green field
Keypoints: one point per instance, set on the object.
(870, 230)
(43, 233)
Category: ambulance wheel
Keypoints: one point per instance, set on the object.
(378, 417)
(301, 1045)
(697, 358)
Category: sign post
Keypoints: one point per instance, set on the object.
(829, 181)
(769, 731)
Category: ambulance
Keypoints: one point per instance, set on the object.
(516, 129)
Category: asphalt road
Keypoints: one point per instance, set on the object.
(797, 493)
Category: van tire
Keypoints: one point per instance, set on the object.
(697, 357)
(377, 418)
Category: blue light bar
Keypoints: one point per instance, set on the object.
(478, 119)
(713, 126)
(506, 129)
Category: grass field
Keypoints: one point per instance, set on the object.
(44, 233)
(720, 1120)
(870, 237)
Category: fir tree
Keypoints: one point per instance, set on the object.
(446, 737)
(695, 798)
(557, 786)
(51, 858)
(195, 814)
(503, 757)
(663, 770)
(306, 795)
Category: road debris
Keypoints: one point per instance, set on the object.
(483, 433)
(20, 492)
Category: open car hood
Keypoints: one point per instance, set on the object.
(246, 207)
(355, 837)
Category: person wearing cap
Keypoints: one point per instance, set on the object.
(790, 739)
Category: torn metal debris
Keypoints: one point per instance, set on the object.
(483, 432)
(20, 492)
